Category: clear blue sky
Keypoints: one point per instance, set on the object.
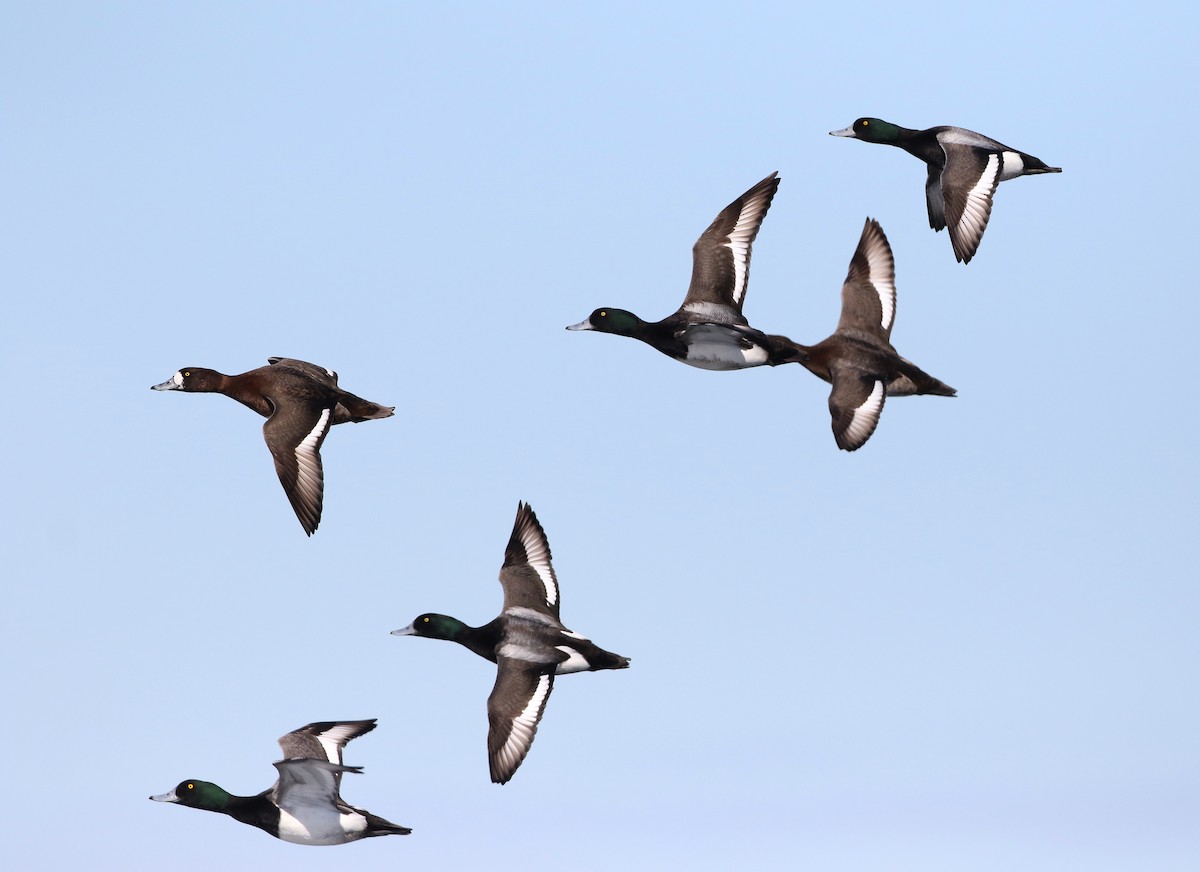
(970, 645)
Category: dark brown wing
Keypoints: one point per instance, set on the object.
(855, 404)
(294, 434)
(869, 293)
(969, 181)
(527, 575)
(721, 256)
(515, 707)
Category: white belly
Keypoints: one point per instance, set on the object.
(711, 346)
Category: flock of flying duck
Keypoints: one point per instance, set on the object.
(527, 641)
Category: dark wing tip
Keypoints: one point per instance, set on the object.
(515, 553)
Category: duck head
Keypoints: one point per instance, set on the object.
(870, 130)
(610, 321)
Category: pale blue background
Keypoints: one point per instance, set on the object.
(972, 645)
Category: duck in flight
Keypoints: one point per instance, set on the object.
(300, 401)
(304, 805)
(858, 359)
(709, 330)
(527, 642)
(964, 169)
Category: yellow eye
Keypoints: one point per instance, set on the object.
(865, 123)
(190, 786)
(425, 620)
(186, 375)
(603, 314)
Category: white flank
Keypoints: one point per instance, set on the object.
(722, 357)
(524, 724)
(866, 416)
(292, 830)
(322, 824)
(978, 207)
(520, 642)
(720, 348)
(1013, 166)
(524, 653)
(575, 661)
(739, 242)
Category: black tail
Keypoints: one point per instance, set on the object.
(1033, 166)
(914, 380)
(377, 826)
(356, 410)
(782, 350)
(598, 658)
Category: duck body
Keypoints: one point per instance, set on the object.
(901, 377)
(859, 360)
(963, 170)
(304, 806)
(709, 331)
(694, 336)
(523, 634)
(300, 401)
(527, 642)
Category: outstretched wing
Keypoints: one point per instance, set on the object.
(721, 256)
(324, 740)
(969, 181)
(309, 784)
(869, 293)
(855, 404)
(527, 575)
(515, 707)
(294, 434)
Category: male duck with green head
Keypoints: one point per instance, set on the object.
(964, 169)
(304, 806)
(527, 642)
(709, 331)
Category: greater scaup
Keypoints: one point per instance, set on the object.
(708, 330)
(304, 806)
(964, 169)
(858, 359)
(526, 641)
(300, 401)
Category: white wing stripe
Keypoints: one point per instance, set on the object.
(866, 415)
(334, 738)
(538, 555)
(975, 212)
(881, 270)
(307, 449)
(524, 724)
(739, 242)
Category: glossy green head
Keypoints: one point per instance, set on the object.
(870, 130)
(610, 321)
(197, 794)
(434, 626)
